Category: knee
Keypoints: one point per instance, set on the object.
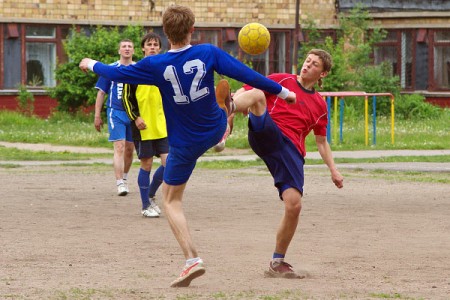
(258, 96)
(119, 146)
(129, 148)
(293, 207)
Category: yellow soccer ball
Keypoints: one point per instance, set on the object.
(254, 38)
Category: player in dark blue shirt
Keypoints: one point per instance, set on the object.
(195, 122)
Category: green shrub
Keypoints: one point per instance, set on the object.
(25, 100)
(76, 89)
(352, 66)
(414, 107)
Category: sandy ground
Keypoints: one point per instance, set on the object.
(64, 234)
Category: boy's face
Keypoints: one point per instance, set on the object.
(151, 47)
(312, 69)
(126, 49)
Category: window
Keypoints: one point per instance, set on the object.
(275, 59)
(397, 50)
(205, 36)
(278, 61)
(441, 63)
(40, 56)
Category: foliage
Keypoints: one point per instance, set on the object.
(75, 89)
(25, 100)
(352, 69)
(352, 66)
(414, 107)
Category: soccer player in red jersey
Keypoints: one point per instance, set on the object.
(277, 132)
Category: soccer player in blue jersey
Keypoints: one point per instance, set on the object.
(195, 122)
(119, 125)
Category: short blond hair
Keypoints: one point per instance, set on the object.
(177, 22)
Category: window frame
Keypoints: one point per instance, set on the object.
(431, 46)
(397, 44)
(58, 39)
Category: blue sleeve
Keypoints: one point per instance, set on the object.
(103, 84)
(231, 67)
(132, 74)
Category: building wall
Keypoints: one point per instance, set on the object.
(118, 12)
(43, 104)
(275, 14)
(322, 11)
(230, 13)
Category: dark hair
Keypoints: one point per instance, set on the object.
(151, 36)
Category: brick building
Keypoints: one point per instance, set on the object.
(32, 33)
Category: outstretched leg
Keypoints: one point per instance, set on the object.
(173, 207)
(253, 101)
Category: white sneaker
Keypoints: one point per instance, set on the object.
(150, 213)
(154, 205)
(126, 185)
(220, 146)
(122, 189)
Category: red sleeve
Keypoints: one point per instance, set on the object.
(321, 127)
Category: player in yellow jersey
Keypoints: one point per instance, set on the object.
(143, 105)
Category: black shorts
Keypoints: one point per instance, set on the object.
(150, 148)
(281, 157)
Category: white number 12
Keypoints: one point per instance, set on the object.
(196, 65)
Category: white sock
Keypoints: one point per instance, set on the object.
(192, 261)
(277, 261)
(119, 181)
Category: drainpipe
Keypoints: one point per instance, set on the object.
(296, 34)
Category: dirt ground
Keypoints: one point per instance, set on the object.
(64, 234)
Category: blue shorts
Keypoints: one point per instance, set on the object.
(281, 157)
(119, 125)
(181, 160)
(150, 148)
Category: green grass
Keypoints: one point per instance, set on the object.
(62, 129)
(408, 134)
(92, 293)
(29, 155)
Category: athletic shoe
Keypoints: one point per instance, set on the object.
(149, 212)
(223, 97)
(154, 205)
(126, 185)
(281, 270)
(122, 189)
(188, 274)
(220, 146)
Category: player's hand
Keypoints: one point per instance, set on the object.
(140, 123)
(338, 179)
(98, 123)
(84, 64)
(291, 98)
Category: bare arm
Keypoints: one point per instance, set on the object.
(98, 122)
(327, 156)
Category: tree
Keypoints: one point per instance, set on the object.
(352, 63)
(75, 89)
(353, 69)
